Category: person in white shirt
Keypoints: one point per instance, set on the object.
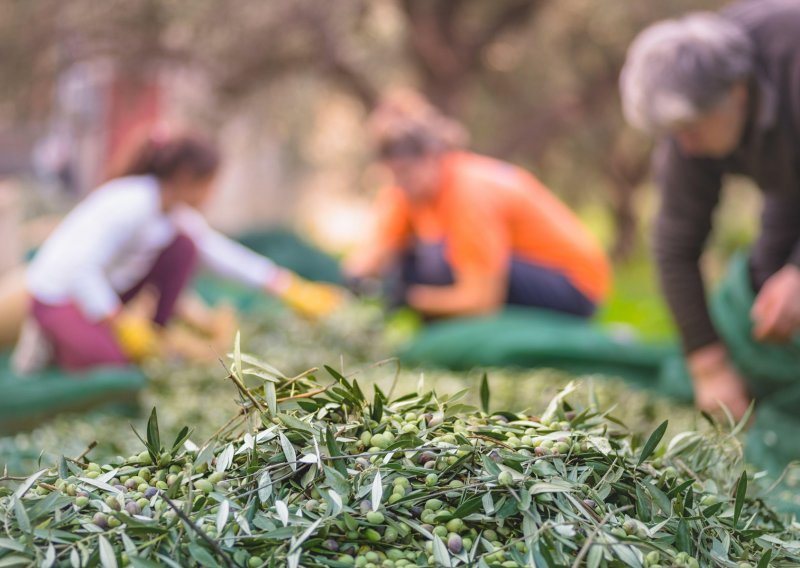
(143, 229)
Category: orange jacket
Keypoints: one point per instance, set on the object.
(487, 211)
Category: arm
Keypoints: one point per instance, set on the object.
(370, 261)
(232, 260)
(226, 257)
(391, 230)
(473, 293)
(690, 192)
(776, 310)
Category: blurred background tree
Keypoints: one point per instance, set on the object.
(535, 81)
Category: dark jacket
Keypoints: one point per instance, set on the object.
(769, 153)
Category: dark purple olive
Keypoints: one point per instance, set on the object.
(150, 491)
(331, 545)
(425, 457)
(455, 544)
(132, 508)
(100, 520)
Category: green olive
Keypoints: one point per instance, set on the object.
(375, 517)
(433, 504)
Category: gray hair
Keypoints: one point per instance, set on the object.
(677, 70)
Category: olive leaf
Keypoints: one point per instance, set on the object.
(27, 484)
(283, 512)
(485, 393)
(222, 515)
(108, 558)
(652, 442)
(271, 398)
(377, 491)
(264, 486)
(288, 451)
(741, 492)
(237, 354)
(440, 553)
(182, 436)
(153, 436)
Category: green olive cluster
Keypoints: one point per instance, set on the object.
(418, 481)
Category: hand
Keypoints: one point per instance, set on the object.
(137, 336)
(362, 286)
(717, 382)
(311, 299)
(776, 311)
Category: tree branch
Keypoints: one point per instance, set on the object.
(516, 14)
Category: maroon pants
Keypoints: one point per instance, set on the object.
(79, 343)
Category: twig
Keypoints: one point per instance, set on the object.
(244, 390)
(197, 529)
(304, 395)
(88, 449)
(83, 454)
(225, 426)
(396, 361)
(490, 439)
(590, 540)
(680, 463)
(301, 376)
(12, 478)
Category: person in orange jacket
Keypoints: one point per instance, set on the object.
(465, 234)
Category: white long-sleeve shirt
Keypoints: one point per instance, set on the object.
(111, 240)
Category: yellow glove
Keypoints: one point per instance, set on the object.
(137, 337)
(312, 299)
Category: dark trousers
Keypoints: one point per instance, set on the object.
(528, 283)
(169, 276)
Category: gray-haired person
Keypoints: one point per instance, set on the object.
(722, 94)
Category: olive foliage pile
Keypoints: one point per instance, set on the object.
(314, 472)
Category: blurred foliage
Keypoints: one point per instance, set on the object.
(635, 305)
(535, 81)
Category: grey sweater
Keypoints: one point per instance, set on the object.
(769, 153)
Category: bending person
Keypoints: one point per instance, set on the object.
(464, 234)
(720, 92)
(143, 229)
